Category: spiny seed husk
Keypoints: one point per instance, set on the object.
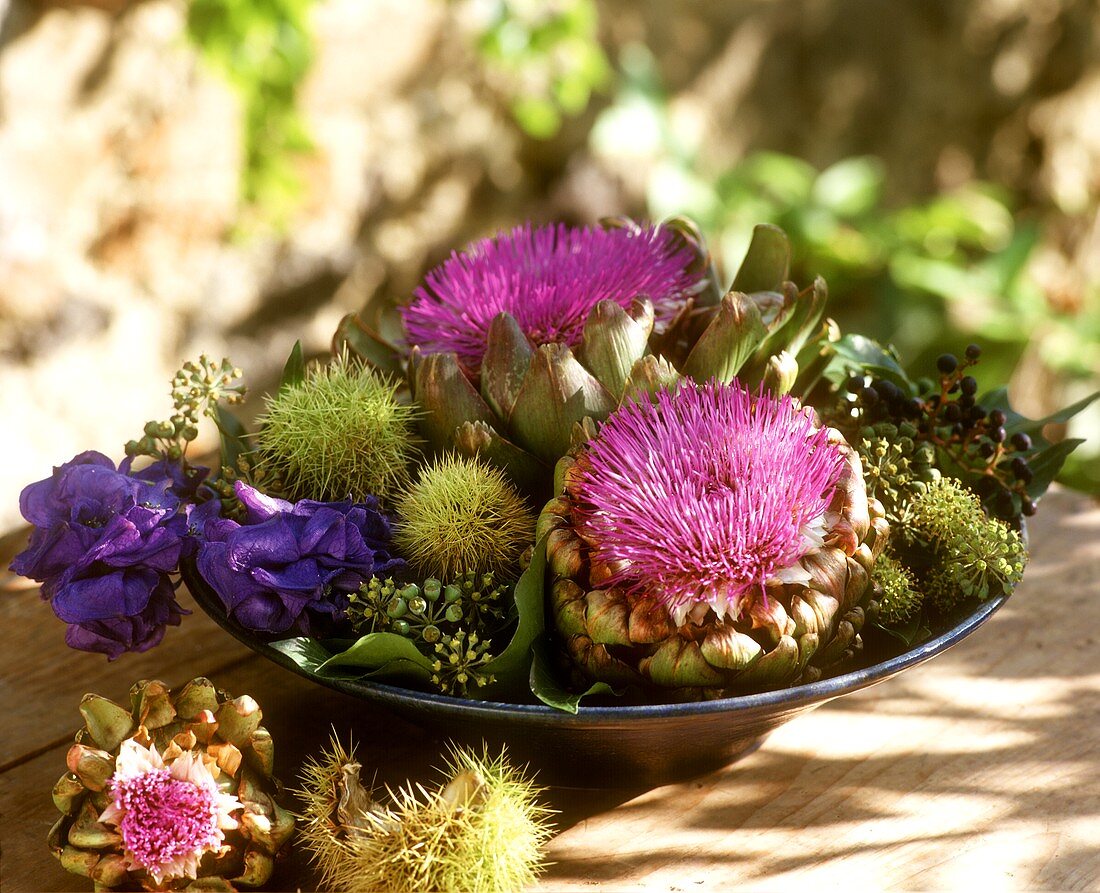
(341, 432)
(462, 516)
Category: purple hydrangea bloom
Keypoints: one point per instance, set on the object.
(291, 564)
(89, 513)
(706, 494)
(103, 544)
(126, 610)
(549, 278)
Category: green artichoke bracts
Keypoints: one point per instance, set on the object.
(789, 633)
(220, 740)
(519, 411)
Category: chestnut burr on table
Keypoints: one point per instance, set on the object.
(978, 770)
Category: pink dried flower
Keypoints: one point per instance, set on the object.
(706, 495)
(549, 278)
(169, 816)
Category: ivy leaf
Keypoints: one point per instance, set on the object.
(294, 372)
(998, 399)
(307, 653)
(511, 666)
(870, 358)
(546, 686)
(379, 655)
(1046, 464)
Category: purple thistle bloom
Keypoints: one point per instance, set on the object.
(291, 564)
(549, 278)
(706, 495)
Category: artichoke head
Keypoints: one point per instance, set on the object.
(222, 732)
(789, 633)
(519, 412)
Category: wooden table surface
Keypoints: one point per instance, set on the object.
(979, 770)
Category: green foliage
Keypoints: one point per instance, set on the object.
(462, 516)
(339, 431)
(448, 624)
(264, 49)
(547, 58)
(896, 467)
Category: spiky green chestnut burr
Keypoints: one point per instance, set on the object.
(899, 599)
(482, 831)
(462, 516)
(975, 556)
(339, 432)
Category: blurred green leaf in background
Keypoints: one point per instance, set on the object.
(264, 49)
(545, 56)
(927, 277)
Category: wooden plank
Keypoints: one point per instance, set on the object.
(42, 673)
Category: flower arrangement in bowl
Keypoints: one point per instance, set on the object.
(587, 500)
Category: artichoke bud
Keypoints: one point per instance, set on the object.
(678, 662)
(728, 649)
(556, 392)
(614, 341)
(650, 375)
(708, 292)
(767, 262)
(727, 343)
(607, 617)
(447, 397)
(505, 364)
(781, 373)
(91, 767)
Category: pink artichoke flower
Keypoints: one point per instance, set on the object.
(706, 495)
(549, 279)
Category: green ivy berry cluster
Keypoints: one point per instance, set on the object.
(446, 622)
(197, 388)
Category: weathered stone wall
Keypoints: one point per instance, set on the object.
(119, 168)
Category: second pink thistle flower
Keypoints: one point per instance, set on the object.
(710, 541)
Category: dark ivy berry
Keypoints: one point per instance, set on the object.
(958, 430)
(998, 435)
(985, 486)
(1028, 507)
(887, 390)
(969, 385)
(854, 384)
(986, 450)
(997, 417)
(977, 412)
(947, 363)
(1021, 441)
(869, 396)
(952, 412)
(973, 351)
(1022, 470)
(966, 401)
(916, 408)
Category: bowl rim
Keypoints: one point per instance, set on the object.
(791, 698)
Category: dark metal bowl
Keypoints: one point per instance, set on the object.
(609, 747)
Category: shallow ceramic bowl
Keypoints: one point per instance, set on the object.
(609, 747)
